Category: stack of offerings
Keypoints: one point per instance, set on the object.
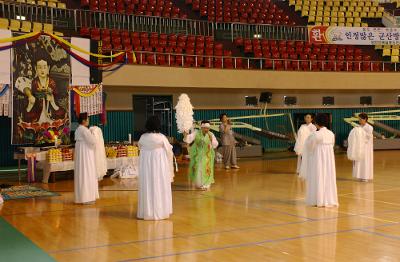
(54, 155)
(67, 154)
(132, 151)
(121, 151)
(111, 152)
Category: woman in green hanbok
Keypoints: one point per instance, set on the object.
(202, 144)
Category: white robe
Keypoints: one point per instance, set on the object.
(100, 152)
(304, 131)
(321, 171)
(156, 172)
(356, 144)
(364, 168)
(85, 173)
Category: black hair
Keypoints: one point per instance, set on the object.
(222, 115)
(309, 114)
(82, 117)
(322, 120)
(153, 125)
(363, 116)
(205, 122)
(43, 57)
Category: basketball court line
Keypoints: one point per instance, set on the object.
(227, 231)
(223, 231)
(326, 209)
(373, 200)
(245, 244)
(178, 236)
(380, 234)
(346, 194)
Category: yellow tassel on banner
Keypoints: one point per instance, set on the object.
(82, 50)
(134, 57)
(85, 93)
(20, 37)
(62, 40)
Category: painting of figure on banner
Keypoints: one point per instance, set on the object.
(41, 73)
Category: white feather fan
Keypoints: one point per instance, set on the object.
(184, 114)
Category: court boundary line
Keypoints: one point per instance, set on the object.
(245, 244)
(348, 215)
(380, 234)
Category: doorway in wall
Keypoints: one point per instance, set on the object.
(145, 106)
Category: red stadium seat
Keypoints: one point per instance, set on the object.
(84, 31)
(95, 34)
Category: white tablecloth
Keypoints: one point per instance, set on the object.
(112, 163)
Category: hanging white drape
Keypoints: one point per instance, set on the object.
(5, 59)
(80, 73)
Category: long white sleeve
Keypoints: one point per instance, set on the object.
(170, 154)
(88, 137)
(190, 137)
(369, 131)
(214, 141)
(302, 135)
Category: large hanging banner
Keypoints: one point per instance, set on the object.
(354, 35)
(41, 72)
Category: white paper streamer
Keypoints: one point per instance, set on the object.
(92, 105)
(5, 102)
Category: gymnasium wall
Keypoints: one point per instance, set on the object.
(120, 98)
(153, 76)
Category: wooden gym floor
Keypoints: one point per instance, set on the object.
(255, 214)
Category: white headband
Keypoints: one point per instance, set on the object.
(205, 125)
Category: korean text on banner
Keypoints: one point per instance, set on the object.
(354, 35)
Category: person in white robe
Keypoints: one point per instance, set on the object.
(304, 131)
(202, 156)
(85, 173)
(321, 190)
(100, 152)
(361, 149)
(156, 173)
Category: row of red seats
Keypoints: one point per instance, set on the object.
(289, 65)
(160, 8)
(299, 50)
(244, 11)
(240, 42)
(142, 41)
(268, 64)
(186, 61)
